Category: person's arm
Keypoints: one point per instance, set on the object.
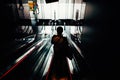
(52, 41)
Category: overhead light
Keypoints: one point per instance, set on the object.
(50, 1)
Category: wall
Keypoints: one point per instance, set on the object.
(99, 38)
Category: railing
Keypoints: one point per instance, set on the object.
(29, 51)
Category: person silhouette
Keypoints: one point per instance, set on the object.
(59, 42)
(35, 8)
(20, 4)
(59, 62)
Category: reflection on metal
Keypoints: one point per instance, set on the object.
(28, 52)
(78, 49)
(70, 65)
(48, 59)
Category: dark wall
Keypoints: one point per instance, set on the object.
(7, 23)
(100, 38)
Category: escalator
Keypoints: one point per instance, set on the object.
(35, 64)
(22, 65)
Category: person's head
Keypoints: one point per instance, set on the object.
(59, 30)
